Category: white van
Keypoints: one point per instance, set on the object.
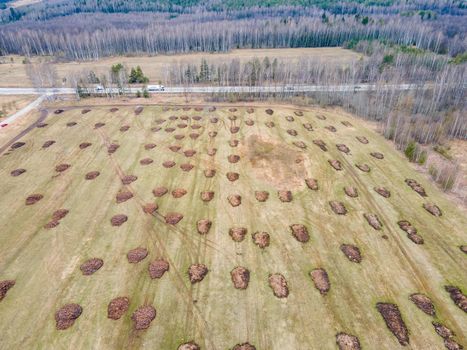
(155, 88)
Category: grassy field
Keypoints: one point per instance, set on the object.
(10, 104)
(154, 67)
(46, 262)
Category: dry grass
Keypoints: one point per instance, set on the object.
(10, 104)
(14, 73)
(45, 263)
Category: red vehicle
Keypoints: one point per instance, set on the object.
(3, 125)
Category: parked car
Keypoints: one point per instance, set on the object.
(155, 88)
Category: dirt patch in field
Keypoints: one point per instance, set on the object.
(249, 122)
(335, 164)
(17, 145)
(168, 164)
(321, 280)
(338, 207)
(173, 218)
(234, 129)
(143, 317)
(149, 146)
(235, 200)
(270, 124)
(274, 163)
(278, 284)
(157, 268)
(414, 185)
(269, 111)
(343, 148)
(146, 161)
(393, 319)
(285, 196)
(182, 126)
(214, 120)
(90, 266)
(300, 232)
(196, 126)
(62, 167)
(209, 173)
(373, 221)
(312, 184)
(118, 307)
(233, 143)
(362, 139)
(321, 144)
(92, 175)
(377, 155)
(179, 192)
(351, 191)
(442, 330)
(123, 196)
(423, 303)
(298, 113)
(139, 110)
(118, 220)
(128, 179)
(330, 128)
(114, 109)
(98, 125)
(244, 346)
(250, 110)
(150, 208)
(33, 199)
(136, 255)
(308, 126)
(292, 132)
(240, 277)
(112, 148)
(84, 145)
(261, 196)
(5, 286)
(59, 214)
(70, 124)
(169, 130)
(194, 136)
(299, 144)
(203, 226)
(65, 317)
(450, 344)
(238, 233)
(59, 111)
(175, 148)
(232, 117)
(351, 252)
(207, 196)
(212, 152)
(212, 134)
(347, 342)
(189, 153)
(51, 224)
(433, 209)
(233, 158)
(232, 176)
(382, 191)
(48, 143)
(197, 272)
(457, 297)
(125, 128)
(17, 172)
(186, 166)
(363, 167)
(261, 239)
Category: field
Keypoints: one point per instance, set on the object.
(252, 152)
(10, 104)
(154, 67)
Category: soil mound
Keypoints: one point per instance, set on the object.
(330, 128)
(321, 144)
(186, 166)
(98, 125)
(377, 155)
(269, 111)
(195, 126)
(189, 153)
(197, 272)
(207, 196)
(383, 191)
(261, 239)
(62, 167)
(373, 220)
(423, 303)
(233, 143)
(278, 284)
(394, 322)
(84, 145)
(59, 214)
(143, 317)
(457, 297)
(308, 126)
(335, 164)
(249, 122)
(85, 111)
(17, 145)
(194, 136)
(5, 286)
(351, 191)
(234, 129)
(209, 173)
(48, 143)
(338, 207)
(289, 118)
(138, 110)
(92, 175)
(173, 218)
(298, 113)
(125, 128)
(235, 200)
(117, 308)
(189, 346)
(169, 130)
(233, 158)
(363, 167)
(214, 120)
(240, 277)
(321, 280)
(414, 185)
(149, 146)
(343, 148)
(203, 226)
(112, 148)
(136, 255)
(442, 330)
(212, 133)
(237, 233)
(270, 124)
(175, 148)
(351, 252)
(17, 172)
(113, 109)
(347, 342)
(300, 232)
(312, 184)
(33, 199)
(157, 268)
(182, 125)
(261, 196)
(244, 346)
(91, 266)
(362, 139)
(66, 316)
(123, 196)
(212, 152)
(150, 208)
(292, 132)
(285, 196)
(118, 219)
(432, 209)
(70, 124)
(179, 192)
(168, 164)
(128, 179)
(231, 176)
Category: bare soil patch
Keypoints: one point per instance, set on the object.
(300, 144)
(173, 218)
(347, 342)
(269, 111)
(182, 125)
(233, 143)
(90, 266)
(139, 110)
(179, 192)
(373, 221)
(70, 124)
(261, 239)
(321, 280)
(203, 226)
(343, 148)
(207, 196)
(175, 148)
(112, 148)
(212, 152)
(118, 220)
(235, 200)
(363, 167)
(234, 129)
(59, 214)
(362, 139)
(194, 136)
(457, 297)
(92, 175)
(84, 145)
(157, 268)
(186, 166)
(352, 252)
(85, 111)
(5, 286)
(33, 199)
(150, 208)
(330, 128)
(278, 284)
(17, 145)
(382, 191)
(233, 158)
(114, 109)
(65, 317)
(149, 146)
(168, 164)
(118, 307)
(249, 122)
(308, 126)
(394, 321)
(209, 173)
(423, 303)
(300, 232)
(285, 196)
(17, 172)
(124, 128)
(143, 317)
(240, 277)
(169, 130)
(135, 255)
(351, 191)
(98, 125)
(321, 144)
(312, 184)
(335, 164)
(189, 153)
(289, 118)
(123, 196)
(197, 272)
(232, 176)
(237, 233)
(48, 143)
(62, 167)
(377, 155)
(261, 196)
(338, 207)
(433, 209)
(292, 132)
(128, 179)
(414, 185)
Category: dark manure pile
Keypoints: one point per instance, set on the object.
(240, 277)
(17, 172)
(433, 209)
(249, 122)
(411, 231)
(84, 145)
(308, 126)
(90, 266)
(175, 148)
(168, 164)
(270, 124)
(285, 196)
(173, 218)
(351, 191)
(235, 200)
(124, 128)
(321, 144)
(362, 139)
(261, 239)
(363, 167)
(312, 184)
(33, 199)
(457, 297)
(278, 284)
(233, 143)
(179, 192)
(207, 196)
(393, 319)
(343, 148)
(85, 111)
(203, 226)
(5, 286)
(298, 113)
(382, 191)
(138, 110)
(66, 316)
(321, 280)
(300, 144)
(335, 164)
(233, 158)
(377, 155)
(149, 146)
(17, 145)
(289, 118)
(189, 153)
(197, 272)
(128, 179)
(92, 175)
(143, 316)
(118, 307)
(346, 123)
(157, 268)
(47, 144)
(70, 124)
(146, 161)
(261, 196)
(123, 196)
(414, 185)
(338, 207)
(330, 128)
(212, 152)
(135, 255)
(98, 125)
(186, 166)
(62, 167)
(300, 232)
(232, 176)
(237, 233)
(269, 111)
(209, 173)
(347, 342)
(59, 111)
(423, 303)
(112, 148)
(373, 221)
(292, 132)
(351, 252)
(118, 220)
